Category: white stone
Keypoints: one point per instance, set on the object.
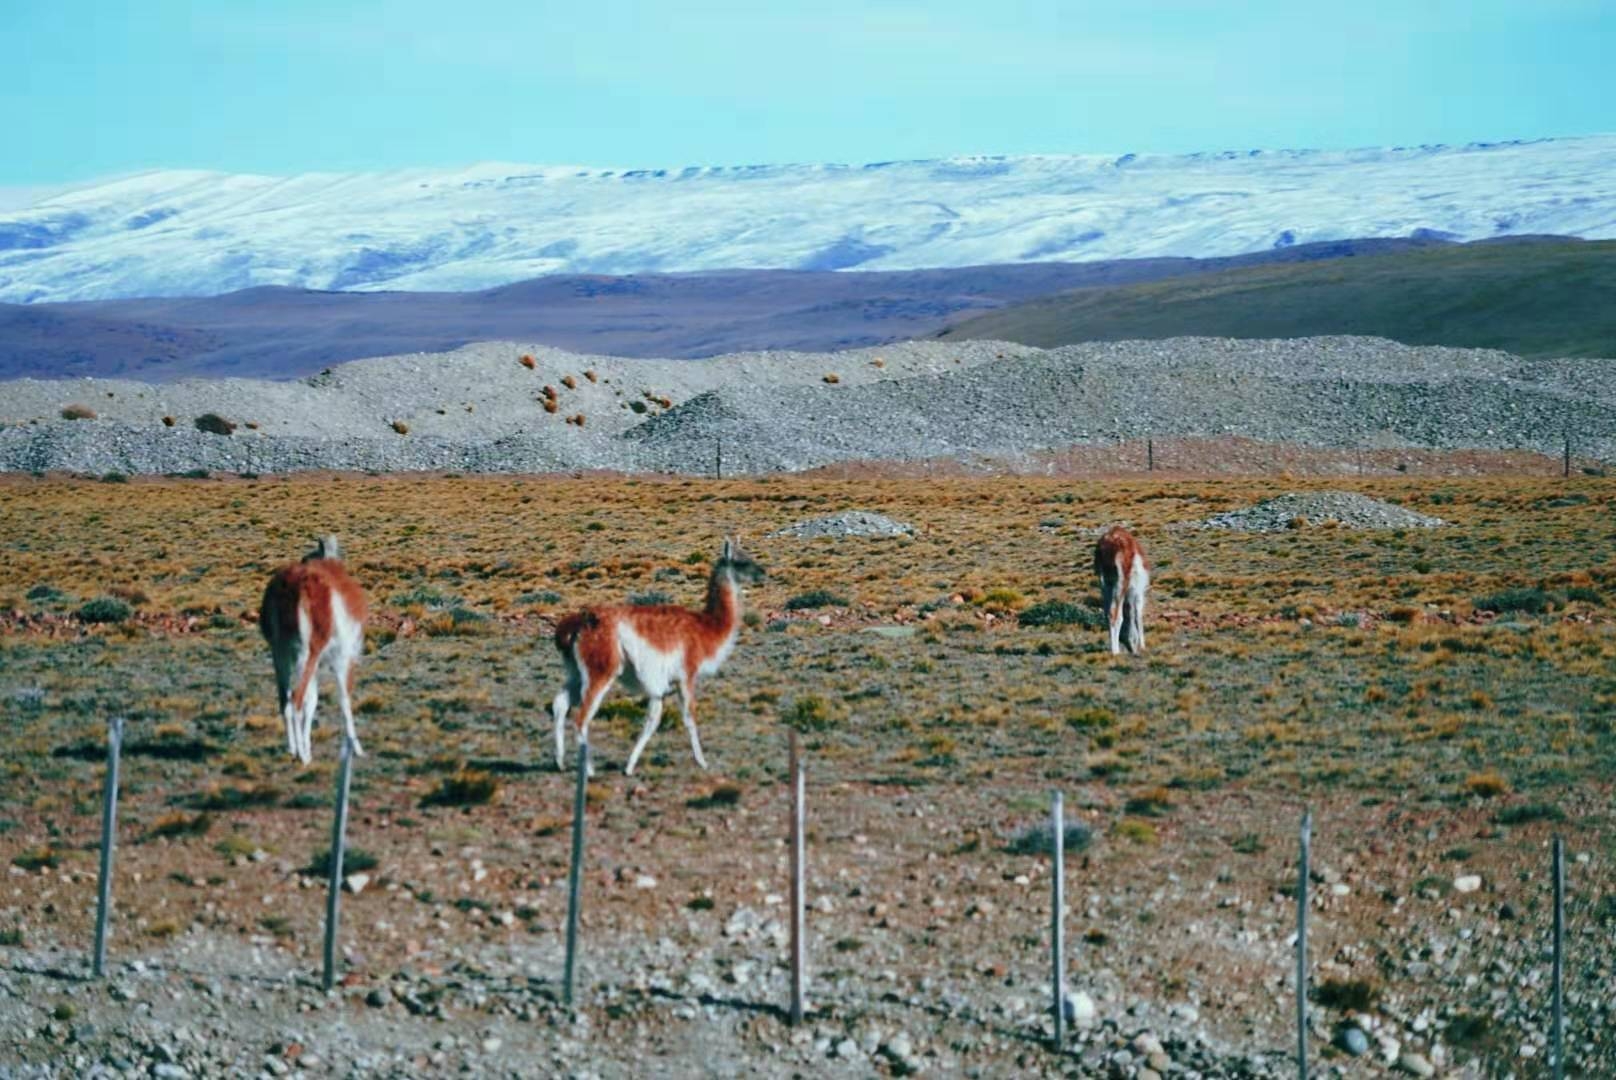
(1080, 1009)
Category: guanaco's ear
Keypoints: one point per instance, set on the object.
(729, 548)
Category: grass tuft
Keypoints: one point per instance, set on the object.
(467, 787)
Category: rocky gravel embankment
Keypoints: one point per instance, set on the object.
(1348, 509)
(499, 407)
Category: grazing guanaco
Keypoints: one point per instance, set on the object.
(653, 650)
(312, 612)
(1124, 573)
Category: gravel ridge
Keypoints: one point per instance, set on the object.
(483, 409)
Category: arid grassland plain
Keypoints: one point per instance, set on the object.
(1443, 699)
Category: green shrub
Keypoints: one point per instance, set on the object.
(214, 424)
(650, 599)
(1526, 813)
(1152, 803)
(426, 596)
(1040, 839)
(1356, 995)
(78, 412)
(1092, 718)
(809, 713)
(1525, 601)
(105, 609)
(1062, 613)
(816, 599)
(354, 861)
(39, 858)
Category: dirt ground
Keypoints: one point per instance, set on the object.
(1443, 702)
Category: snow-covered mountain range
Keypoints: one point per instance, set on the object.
(184, 233)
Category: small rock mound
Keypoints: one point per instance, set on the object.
(1294, 510)
(849, 523)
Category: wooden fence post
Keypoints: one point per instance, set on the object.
(575, 873)
(1057, 934)
(799, 868)
(1301, 945)
(339, 836)
(109, 837)
(1559, 958)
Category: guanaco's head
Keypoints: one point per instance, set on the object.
(742, 566)
(324, 548)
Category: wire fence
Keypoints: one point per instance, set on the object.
(796, 1010)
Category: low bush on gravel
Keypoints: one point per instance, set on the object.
(818, 598)
(105, 609)
(1515, 601)
(1527, 813)
(78, 412)
(36, 858)
(214, 424)
(1040, 839)
(810, 713)
(1356, 995)
(355, 860)
(468, 787)
(1062, 613)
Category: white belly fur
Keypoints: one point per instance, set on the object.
(650, 669)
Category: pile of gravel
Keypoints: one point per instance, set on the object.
(1348, 508)
(849, 523)
(479, 409)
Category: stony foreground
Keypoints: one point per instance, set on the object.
(510, 408)
(1443, 710)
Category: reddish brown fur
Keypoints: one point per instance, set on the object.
(308, 585)
(665, 627)
(1117, 548)
(656, 650)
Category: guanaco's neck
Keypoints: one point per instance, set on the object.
(723, 598)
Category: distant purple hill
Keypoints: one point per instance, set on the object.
(283, 333)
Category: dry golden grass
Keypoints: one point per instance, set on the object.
(1395, 676)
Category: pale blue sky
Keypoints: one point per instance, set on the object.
(97, 87)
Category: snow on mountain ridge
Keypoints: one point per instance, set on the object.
(193, 232)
